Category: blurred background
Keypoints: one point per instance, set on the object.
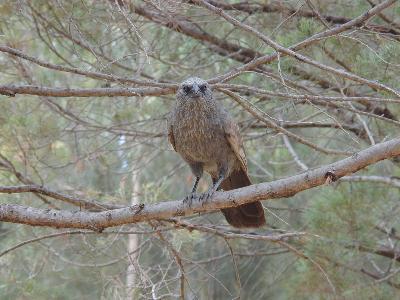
(115, 150)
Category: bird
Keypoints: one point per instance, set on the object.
(203, 133)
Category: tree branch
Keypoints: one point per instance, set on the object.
(280, 7)
(11, 90)
(286, 187)
(37, 189)
(95, 75)
(291, 50)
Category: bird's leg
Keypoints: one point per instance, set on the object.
(197, 170)
(207, 195)
(189, 198)
(196, 182)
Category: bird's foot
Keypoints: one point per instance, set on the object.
(205, 197)
(189, 199)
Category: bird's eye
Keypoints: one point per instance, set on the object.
(187, 89)
(202, 88)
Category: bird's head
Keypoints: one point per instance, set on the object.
(194, 89)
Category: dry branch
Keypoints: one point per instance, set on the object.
(95, 75)
(281, 7)
(302, 58)
(286, 187)
(12, 90)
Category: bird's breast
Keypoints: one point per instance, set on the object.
(199, 136)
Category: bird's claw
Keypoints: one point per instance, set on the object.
(189, 199)
(205, 197)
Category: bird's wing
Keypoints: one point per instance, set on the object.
(235, 141)
(171, 137)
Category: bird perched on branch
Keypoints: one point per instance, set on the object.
(208, 139)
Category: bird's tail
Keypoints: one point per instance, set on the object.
(246, 215)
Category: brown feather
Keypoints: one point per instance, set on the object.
(234, 139)
(171, 137)
(247, 215)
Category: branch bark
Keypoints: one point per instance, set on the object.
(286, 187)
(12, 90)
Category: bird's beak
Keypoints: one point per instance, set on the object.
(195, 90)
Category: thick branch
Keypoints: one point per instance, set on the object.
(286, 187)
